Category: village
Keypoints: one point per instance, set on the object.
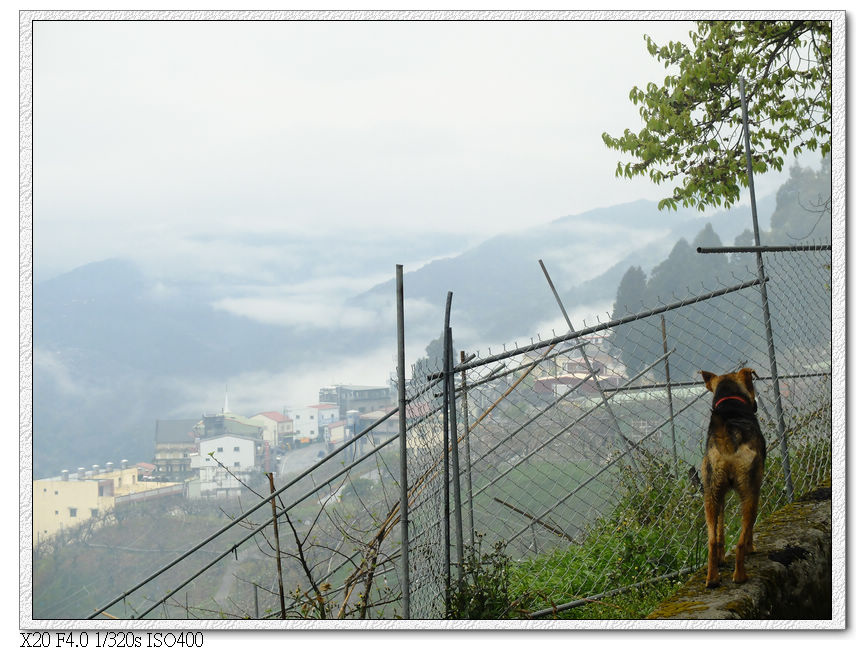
(214, 456)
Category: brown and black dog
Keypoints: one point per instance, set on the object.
(735, 457)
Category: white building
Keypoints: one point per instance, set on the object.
(275, 426)
(236, 461)
(310, 423)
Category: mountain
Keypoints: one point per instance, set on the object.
(115, 348)
(500, 291)
(109, 348)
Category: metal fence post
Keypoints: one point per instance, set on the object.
(669, 394)
(761, 274)
(628, 444)
(446, 529)
(458, 510)
(403, 447)
(468, 451)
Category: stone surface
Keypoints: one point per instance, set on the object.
(789, 574)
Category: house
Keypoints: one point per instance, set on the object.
(276, 427)
(383, 430)
(342, 431)
(60, 503)
(146, 471)
(230, 423)
(310, 422)
(363, 399)
(222, 462)
(557, 374)
(72, 498)
(336, 434)
(175, 440)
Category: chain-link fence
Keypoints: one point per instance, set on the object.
(577, 458)
(584, 451)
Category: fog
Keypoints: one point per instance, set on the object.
(276, 171)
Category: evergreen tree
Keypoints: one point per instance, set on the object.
(631, 339)
(802, 209)
(631, 292)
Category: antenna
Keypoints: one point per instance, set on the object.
(225, 406)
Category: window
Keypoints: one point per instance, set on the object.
(237, 464)
(73, 512)
(56, 512)
(237, 449)
(94, 512)
(219, 449)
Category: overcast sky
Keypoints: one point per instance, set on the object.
(149, 134)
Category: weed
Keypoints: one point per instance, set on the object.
(485, 589)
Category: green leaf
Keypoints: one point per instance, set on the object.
(788, 68)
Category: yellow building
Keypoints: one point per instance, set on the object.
(72, 499)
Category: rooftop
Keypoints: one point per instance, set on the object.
(273, 415)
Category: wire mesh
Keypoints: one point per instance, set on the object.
(578, 455)
(587, 463)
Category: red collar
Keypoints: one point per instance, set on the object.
(724, 399)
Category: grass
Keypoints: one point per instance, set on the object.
(535, 486)
(656, 528)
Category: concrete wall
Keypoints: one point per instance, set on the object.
(59, 504)
(789, 573)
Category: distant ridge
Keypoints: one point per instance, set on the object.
(111, 351)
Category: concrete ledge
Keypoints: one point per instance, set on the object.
(789, 574)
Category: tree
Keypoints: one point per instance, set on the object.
(698, 332)
(802, 211)
(433, 361)
(631, 338)
(693, 122)
(802, 208)
(631, 293)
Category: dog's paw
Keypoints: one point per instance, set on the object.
(712, 584)
(739, 579)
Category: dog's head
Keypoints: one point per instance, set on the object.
(734, 387)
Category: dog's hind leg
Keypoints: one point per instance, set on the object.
(711, 505)
(720, 537)
(746, 539)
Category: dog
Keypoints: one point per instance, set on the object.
(735, 459)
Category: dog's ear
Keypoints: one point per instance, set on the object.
(746, 375)
(710, 379)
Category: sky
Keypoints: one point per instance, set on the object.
(259, 156)
(167, 141)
